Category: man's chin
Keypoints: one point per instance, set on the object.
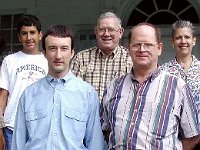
(107, 47)
(29, 48)
(59, 69)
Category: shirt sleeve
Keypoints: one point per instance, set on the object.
(189, 116)
(94, 136)
(104, 107)
(20, 131)
(129, 64)
(75, 66)
(4, 75)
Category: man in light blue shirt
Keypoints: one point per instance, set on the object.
(60, 111)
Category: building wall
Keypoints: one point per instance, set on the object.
(81, 16)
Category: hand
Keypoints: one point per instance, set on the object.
(2, 140)
(190, 143)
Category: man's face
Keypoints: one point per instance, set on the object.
(108, 34)
(58, 53)
(30, 37)
(144, 48)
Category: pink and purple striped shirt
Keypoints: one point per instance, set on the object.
(148, 115)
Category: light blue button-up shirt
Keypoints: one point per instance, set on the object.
(58, 114)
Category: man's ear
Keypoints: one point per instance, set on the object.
(19, 37)
(121, 31)
(160, 48)
(40, 34)
(73, 52)
(44, 53)
(95, 31)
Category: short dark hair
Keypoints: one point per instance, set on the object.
(157, 31)
(28, 20)
(58, 31)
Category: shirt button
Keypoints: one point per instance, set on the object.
(55, 134)
(56, 120)
(36, 117)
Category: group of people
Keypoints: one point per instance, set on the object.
(105, 97)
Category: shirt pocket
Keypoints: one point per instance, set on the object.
(75, 121)
(37, 125)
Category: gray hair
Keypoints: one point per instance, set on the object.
(109, 15)
(182, 24)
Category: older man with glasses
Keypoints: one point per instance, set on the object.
(100, 64)
(147, 109)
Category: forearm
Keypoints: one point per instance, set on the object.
(189, 143)
(3, 103)
(2, 125)
(3, 100)
(2, 141)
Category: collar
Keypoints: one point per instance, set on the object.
(53, 81)
(194, 61)
(150, 78)
(112, 55)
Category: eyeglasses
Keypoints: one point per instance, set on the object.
(109, 30)
(146, 46)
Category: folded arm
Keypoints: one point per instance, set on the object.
(189, 143)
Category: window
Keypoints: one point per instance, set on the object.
(86, 39)
(162, 12)
(9, 31)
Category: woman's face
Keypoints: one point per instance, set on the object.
(183, 41)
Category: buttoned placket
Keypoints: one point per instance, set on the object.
(105, 61)
(136, 86)
(56, 112)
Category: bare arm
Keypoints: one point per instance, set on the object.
(189, 143)
(2, 141)
(3, 100)
(3, 103)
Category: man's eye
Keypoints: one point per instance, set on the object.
(64, 49)
(32, 32)
(101, 30)
(136, 45)
(111, 30)
(52, 49)
(23, 33)
(149, 44)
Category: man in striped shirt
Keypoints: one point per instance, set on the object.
(148, 109)
(100, 64)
